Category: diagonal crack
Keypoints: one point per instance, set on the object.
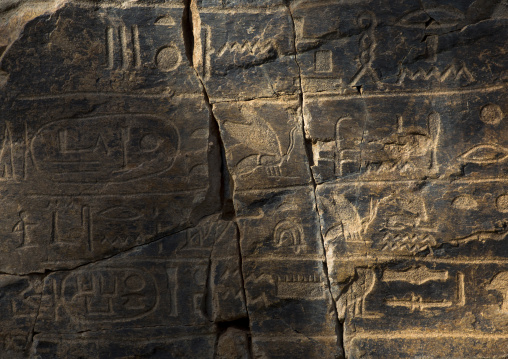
(102, 259)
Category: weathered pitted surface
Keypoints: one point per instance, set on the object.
(253, 179)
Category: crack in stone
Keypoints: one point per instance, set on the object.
(225, 177)
(205, 308)
(188, 37)
(242, 279)
(227, 183)
(127, 251)
(338, 330)
(32, 334)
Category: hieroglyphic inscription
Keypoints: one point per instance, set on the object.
(282, 267)
(7, 170)
(323, 61)
(105, 154)
(19, 303)
(164, 283)
(85, 151)
(288, 233)
(117, 150)
(406, 150)
(130, 54)
(299, 286)
(367, 22)
(419, 275)
(109, 294)
(485, 154)
(500, 283)
(91, 151)
(410, 46)
(391, 100)
(405, 138)
(417, 302)
(263, 142)
(261, 52)
(400, 219)
(353, 301)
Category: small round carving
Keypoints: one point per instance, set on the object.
(134, 283)
(168, 58)
(502, 203)
(465, 202)
(491, 114)
(149, 143)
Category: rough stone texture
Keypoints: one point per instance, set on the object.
(253, 179)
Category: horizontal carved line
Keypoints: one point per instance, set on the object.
(273, 189)
(44, 195)
(332, 95)
(153, 339)
(92, 94)
(125, 5)
(276, 338)
(243, 10)
(420, 334)
(120, 263)
(339, 182)
(419, 259)
(300, 258)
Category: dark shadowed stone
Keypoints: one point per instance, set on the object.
(160, 290)
(287, 290)
(20, 299)
(111, 147)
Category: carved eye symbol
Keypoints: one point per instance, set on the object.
(485, 154)
(149, 143)
(416, 19)
(437, 18)
(465, 202)
(120, 213)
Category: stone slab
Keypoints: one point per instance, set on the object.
(398, 46)
(450, 134)
(287, 289)
(111, 148)
(263, 142)
(163, 295)
(245, 53)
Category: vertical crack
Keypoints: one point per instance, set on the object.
(188, 35)
(310, 159)
(288, 5)
(226, 183)
(30, 339)
(226, 188)
(244, 293)
(206, 304)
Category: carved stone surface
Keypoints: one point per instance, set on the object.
(253, 179)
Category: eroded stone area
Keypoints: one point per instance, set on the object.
(253, 179)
